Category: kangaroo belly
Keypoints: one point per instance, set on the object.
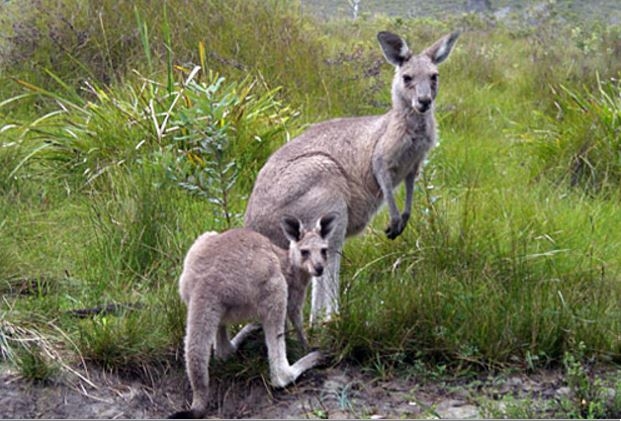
(305, 186)
(361, 211)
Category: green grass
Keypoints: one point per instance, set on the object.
(117, 152)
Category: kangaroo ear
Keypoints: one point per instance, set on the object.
(326, 224)
(292, 227)
(394, 47)
(439, 51)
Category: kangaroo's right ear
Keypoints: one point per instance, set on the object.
(439, 51)
(394, 47)
(292, 227)
(326, 224)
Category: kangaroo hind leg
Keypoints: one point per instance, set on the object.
(282, 374)
(326, 288)
(201, 332)
(243, 334)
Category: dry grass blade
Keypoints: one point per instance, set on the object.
(14, 336)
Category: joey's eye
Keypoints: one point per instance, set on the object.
(407, 79)
(324, 253)
(305, 254)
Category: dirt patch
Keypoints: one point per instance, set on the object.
(343, 392)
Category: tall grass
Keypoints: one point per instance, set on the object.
(485, 277)
(126, 134)
(580, 145)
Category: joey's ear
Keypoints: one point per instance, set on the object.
(394, 47)
(326, 224)
(292, 227)
(439, 51)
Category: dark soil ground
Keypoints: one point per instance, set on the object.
(328, 392)
(240, 389)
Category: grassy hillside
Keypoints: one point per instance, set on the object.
(125, 133)
(509, 11)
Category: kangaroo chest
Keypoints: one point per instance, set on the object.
(409, 156)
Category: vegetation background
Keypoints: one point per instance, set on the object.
(128, 128)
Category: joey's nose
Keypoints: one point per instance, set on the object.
(318, 270)
(424, 103)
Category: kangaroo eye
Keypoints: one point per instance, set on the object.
(407, 79)
(434, 77)
(305, 254)
(324, 253)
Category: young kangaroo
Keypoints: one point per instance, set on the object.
(349, 166)
(241, 274)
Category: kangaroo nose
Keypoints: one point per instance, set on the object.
(318, 270)
(422, 104)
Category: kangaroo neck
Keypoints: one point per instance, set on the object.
(412, 124)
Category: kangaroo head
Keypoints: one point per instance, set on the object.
(308, 248)
(415, 85)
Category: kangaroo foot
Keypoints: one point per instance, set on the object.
(286, 376)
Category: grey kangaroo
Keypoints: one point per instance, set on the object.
(349, 166)
(241, 274)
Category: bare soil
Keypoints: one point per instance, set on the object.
(341, 392)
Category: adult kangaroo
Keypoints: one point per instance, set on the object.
(349, 166)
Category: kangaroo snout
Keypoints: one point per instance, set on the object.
(318, 269)
(422, 104)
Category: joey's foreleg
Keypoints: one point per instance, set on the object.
(223, 347)
(294, 311)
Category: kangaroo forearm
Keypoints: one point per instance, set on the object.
(409, 191)
(386, 185)
(392, 205)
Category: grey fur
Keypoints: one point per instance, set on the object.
(240, 275)
(349, 166)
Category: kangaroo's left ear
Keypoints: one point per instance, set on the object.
(292, 227)
(326, 224)
(439, 51)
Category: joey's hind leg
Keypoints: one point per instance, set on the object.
(243, 334)
(202, 326)
(281, 372)
(226, 347)
(273, 319)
